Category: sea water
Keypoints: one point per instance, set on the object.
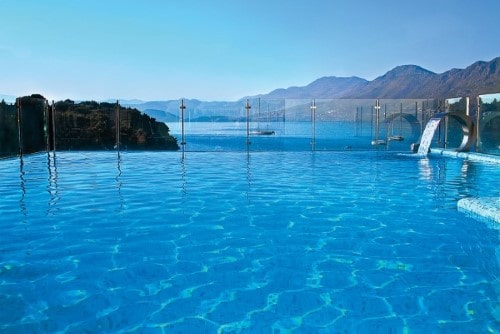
(288, 136)
(266, 242)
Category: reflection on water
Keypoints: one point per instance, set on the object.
(22, 185)
(183, 173)
(119, 181)
(465, 180)
(424, 169)
(341, 225)
(451, 179)
(289, 136)
(249, 177)
(52, 186)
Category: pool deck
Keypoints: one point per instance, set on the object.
(485, 208)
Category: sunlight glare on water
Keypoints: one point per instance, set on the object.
(245, 242)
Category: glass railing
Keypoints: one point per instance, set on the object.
(452, 128)
(23, 126)
(257, 124)
(9, 135)
(32, 125)
(303, 124)
(488, 120)
(475, 120)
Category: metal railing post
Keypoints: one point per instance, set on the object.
(53, 110)
(46, 126)
(478, 131)
(248, 107)
(19, 126)
(313, 124)
(182, 107)
(117, 127)
(377, 119)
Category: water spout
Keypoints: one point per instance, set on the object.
(432, 125)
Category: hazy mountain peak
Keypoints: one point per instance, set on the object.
(405, 70)
(404, 81)
(324, 87)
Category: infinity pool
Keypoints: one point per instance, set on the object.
(259, 242)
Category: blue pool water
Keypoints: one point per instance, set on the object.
(259, 242)
(288, 136)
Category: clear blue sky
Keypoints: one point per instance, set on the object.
(226, 49)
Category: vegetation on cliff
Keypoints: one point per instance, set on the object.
(92, 125)
(78, 126)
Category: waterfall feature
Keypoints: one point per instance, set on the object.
(432, 125)
(430, 129)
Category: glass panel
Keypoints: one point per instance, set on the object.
(93, 126)
(9, 143)
(85, 126)
(489, 124)
(32, 114)
(302, 124)
(265, 125)
(453, 133)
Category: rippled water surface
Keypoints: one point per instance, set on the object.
(266, 242)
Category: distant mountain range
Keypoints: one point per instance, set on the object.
(407, 81)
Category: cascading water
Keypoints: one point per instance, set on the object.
(432, 125)
(427, 136)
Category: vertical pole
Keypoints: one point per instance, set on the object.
(284, 111)
(377, 119)
(361, 120)
(401, 119)
(284, 116)
(440, 123)
(258, 118)
(46, 125)
(313, 124)
(439, 134)
(182, 107)
(478, 132)
(385, 122)
(356, 121)
(53, 127)
(467, 111)
(19, 126)
(446, 129)
(371, 122)
(248, 107)
(117, 126)
(422, 117)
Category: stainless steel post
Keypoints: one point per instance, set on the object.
(313, 124)
(19, 126)
(182, 107)
(248, 107)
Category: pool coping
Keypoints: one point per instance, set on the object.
(481, 208)
(472, 156)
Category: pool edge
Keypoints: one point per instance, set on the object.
(481, 208)
(466, 155)
(484, 208)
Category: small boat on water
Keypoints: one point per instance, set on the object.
(262, 133)
(396, 138)
(259, 131)
(379, 142)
